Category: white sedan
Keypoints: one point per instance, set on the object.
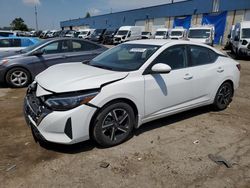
(125, 87)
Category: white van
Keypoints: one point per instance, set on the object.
(241, 39)
(86, 33)
(178, 33)
(161, 33)
(127, 33)
(202, 34)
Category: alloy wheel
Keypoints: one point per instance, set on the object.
(116, 124)
(224, 95)
(19, 78)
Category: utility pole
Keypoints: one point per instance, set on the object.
(36, 18)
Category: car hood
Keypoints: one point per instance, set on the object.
(75, 77)
(11, 55)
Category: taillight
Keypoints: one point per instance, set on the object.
(238, 66)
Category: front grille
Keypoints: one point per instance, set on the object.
(34, 107)
(117, 39)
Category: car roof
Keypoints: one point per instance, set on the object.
(162, 42)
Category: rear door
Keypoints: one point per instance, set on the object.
(83, 51)
(205, 71)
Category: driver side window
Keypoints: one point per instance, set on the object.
(51, 48)
(174, 56)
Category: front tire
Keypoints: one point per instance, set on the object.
(114, 124)
(224, 96)
(18, 77)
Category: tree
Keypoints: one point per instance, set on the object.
(87, 15)
(18, 24)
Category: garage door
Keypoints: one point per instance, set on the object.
(247, 15)
(141, 23)
(158, 23)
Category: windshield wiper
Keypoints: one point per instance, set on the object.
(102, 67)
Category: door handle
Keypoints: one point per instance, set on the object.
(220, 70)
(188, 77)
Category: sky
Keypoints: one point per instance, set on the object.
(51, 12)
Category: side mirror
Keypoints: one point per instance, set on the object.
(229, 36)
(38, 52)
(161, 68)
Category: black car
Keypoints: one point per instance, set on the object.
(97, 36)
(109, 35)
(20, 69)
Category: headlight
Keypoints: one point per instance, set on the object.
(68, 101)
(123, 37)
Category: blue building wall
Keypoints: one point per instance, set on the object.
(188, 7)
(129, 17)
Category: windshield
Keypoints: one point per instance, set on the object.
(176, 33)
(125, 57)
(30, 48)
(122, 32)
(145, 33)
(160, 33)
(109, 32)
(98, 32)
(199, 33)
(83, 32)
(71, 32)
(246, 33)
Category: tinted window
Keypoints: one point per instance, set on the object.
(57, 47)
(79, 46)
(16, 43)
(201, 56)
(174, 56)
(51, 48)
(5, 34)
(5, 43)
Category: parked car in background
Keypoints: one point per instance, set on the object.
(178, 33)
(202, 34)
(19, 70)
(43, 35)
(161, 33)
(230, 39)
(109, 36)
(9, 44)
(97, 35)
(51, 33)
(146, 35)
(125, 87)
(86, 33)
(70, 33)
(127, 33)
(241, 40)
(4, 33)
(63, 33)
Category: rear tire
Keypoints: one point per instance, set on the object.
(114, 124)
(224, 96)
(18, 77)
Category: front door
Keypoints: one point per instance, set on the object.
(168, 92)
